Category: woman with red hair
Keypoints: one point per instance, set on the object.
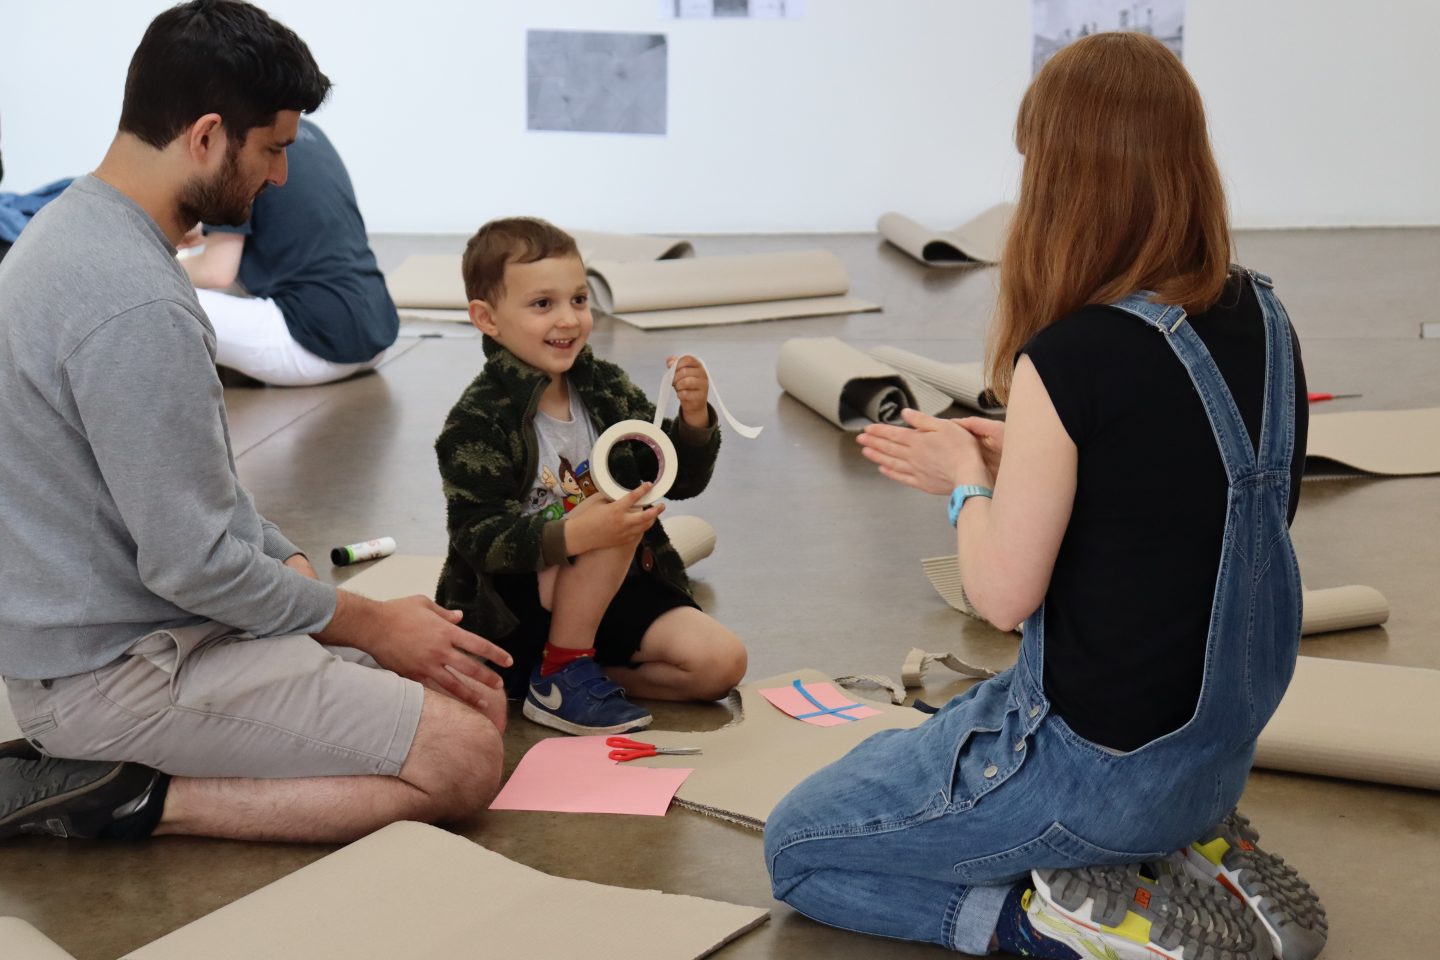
(1133, 513)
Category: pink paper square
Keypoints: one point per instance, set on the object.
(576, 775)
(793, 701)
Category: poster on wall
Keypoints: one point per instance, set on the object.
(1062, 22)
(731, 9)
(595, 82)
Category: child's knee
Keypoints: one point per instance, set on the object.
(725, 663)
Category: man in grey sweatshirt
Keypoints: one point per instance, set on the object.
(173, 662)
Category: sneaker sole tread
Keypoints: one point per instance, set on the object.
(1191, 921)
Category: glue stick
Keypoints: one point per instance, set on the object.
(358, 552)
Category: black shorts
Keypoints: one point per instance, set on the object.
(639, 602)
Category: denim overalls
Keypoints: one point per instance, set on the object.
(918, 834)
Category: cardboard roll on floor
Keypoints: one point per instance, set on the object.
(978, 241)
(434, 282)
(710, 291)
(1392, 443)
(850, 388)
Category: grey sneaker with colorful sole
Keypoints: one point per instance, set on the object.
(1274, 891)
(1143, 912)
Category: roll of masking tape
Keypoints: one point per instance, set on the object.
(652, 437)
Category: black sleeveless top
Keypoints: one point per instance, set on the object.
(1128, 606)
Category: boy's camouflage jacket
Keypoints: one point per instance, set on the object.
(489, 453)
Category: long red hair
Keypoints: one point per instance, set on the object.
(1120, 192)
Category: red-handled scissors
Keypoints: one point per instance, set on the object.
(627, 749)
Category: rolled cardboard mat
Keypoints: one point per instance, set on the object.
(430, 281)
(847, 387)
(1343, 608)
(599, 245)
(1325, 610)
(433, 315)
(1365, 721)
(1396, 443)
(745, 768)
(404, 575)
(980, 240)
(962, 382)
(20, 941)
(434, 281)
(692, 538)
(708, 291)
(416, 891)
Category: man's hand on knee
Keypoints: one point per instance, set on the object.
(419, 639)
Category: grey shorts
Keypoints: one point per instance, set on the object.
(203, 701)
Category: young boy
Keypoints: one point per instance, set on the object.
(568, 583)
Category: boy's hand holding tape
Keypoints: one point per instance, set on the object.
(692, 386)
(599, 522)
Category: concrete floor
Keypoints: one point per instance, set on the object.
(818, 566)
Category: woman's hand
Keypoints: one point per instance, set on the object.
(932, 455)
(991, 434)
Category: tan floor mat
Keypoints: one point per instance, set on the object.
(417, 892)
(1392, 443)
(748, 766)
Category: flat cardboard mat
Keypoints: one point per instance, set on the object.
(1392, 443)
(748, 766)
(1365, 721)
(711, 291)
(1324, 611)
(417, 892)
(850, 388)
(20, 941)
(432, 281)
(404, 575)
(980, 240)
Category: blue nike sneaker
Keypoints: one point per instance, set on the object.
(580, 699)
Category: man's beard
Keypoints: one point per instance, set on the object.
(222, 200)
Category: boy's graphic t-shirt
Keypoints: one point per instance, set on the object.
(563, 477)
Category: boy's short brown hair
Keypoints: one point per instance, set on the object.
(506, 241)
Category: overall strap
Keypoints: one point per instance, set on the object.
(1277, 425)
(1234, 440)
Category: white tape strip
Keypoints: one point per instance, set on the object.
(662, 399)
(651, 435)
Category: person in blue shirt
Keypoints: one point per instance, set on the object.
(312, 305)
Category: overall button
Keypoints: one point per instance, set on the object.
(1034, 712)
(1019, 745)
(991, 770)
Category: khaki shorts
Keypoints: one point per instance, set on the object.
(203, 701)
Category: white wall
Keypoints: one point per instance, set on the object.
(1323, 112)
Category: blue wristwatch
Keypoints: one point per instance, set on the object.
(964, 492)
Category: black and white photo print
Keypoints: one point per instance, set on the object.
(1061, 22)
(596, 82)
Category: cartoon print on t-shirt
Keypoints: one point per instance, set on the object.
(571, 491)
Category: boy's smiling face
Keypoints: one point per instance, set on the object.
(543, 315)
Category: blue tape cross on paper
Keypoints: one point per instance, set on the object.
(823, 710)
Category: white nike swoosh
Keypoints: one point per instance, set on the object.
(553, 701)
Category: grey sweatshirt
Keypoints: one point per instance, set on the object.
(120, 509)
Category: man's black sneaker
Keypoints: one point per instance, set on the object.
(83, 799)
(19, 749)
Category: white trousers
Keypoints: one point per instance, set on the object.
(252, 338)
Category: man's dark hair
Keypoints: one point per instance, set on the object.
(217, 56)
(503, 242)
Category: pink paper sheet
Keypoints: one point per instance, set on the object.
(835, 706)
(576, 775)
